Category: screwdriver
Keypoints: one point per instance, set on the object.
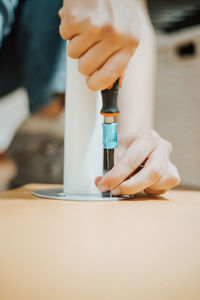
(110, 111)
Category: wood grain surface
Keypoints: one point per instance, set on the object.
(141, 249)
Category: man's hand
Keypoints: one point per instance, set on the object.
(103, 35)
(158, 174)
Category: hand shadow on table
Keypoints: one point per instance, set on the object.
(144, 197)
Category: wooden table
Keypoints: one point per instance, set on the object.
(141, 249)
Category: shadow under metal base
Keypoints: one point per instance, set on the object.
(60, 195)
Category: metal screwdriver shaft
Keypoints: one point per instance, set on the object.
(107, 135)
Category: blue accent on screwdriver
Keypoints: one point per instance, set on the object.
(110, 139)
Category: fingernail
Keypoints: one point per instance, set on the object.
(103, 188)
(115, 192)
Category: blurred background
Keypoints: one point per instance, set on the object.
(177, 107)
(33, 150)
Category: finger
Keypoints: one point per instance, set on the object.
(110, 71)
(80, 44)
(61, 12)
(134, 157)
(152, 172)
(69, 29)
(97, 56)
(119, 153)
(97, 179)
(169, 180)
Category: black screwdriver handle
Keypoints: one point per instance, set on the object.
(109, 100)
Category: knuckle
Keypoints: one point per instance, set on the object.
(91, 23)
(148, 135)
(108, 29)
(82, 67)
(113, 34)
(63, 31)
(71, 52)
(73, 17)
(61, 12)
(67, 26)
(114, 41)
(132, 42)
(92, 84)
(168, 146)
(154, 134)
(155, 174)
(175, 180)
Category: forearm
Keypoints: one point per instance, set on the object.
(136, 98)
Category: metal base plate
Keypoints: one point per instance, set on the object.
(60, 195)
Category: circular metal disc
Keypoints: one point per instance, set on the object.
(60, 195)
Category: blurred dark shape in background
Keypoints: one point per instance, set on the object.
(177, 107)
(39, 158)
(173, 15)
(38, 146)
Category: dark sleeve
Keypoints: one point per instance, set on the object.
(7, 16)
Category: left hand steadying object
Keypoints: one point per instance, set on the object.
(103, 35)
(158, 174)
